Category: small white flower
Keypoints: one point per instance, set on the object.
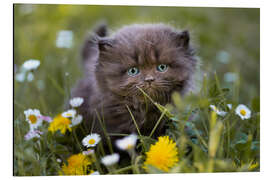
(95, 173)
(32, 134)
(30, 77)
(76, 102)
(229, 106)
(230, 77)
(69, 113)
(213, 107)
(110, 159)
(31, 64)
(91, 140)
(64, 39)
(223, 57)
(20, 77)
(33, 117)
(58, 160)
(88, 152)
(76, 120)
(221, 113)
(127, 142)
(243, 111)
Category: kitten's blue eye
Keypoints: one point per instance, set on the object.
(162, 67)
(133, 71)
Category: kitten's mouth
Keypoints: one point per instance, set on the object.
(154, 92)
(149, 90)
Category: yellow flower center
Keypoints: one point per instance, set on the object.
(32, 118)
(243, 112)
(91, 141)
(68, 114)
(130, 146)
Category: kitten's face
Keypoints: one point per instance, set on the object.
(158, 65)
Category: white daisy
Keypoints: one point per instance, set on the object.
(20, 77)
(76, 120)
(243, 111)
(91, 140)
(95, 173)
(127, 142)
(33, 117)
(221, 113)
(76, 102)
(213, 107)
(110, 159)
(88, 152)
(64, 39)
(230, 77)
(31, 64)
(30, 77)
(69, 113)
(32, 134)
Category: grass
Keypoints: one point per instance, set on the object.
(206, 141)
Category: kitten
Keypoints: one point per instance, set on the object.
(154, 57)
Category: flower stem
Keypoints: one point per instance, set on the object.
(156, 125)
(123, 169)
(105, 133)
(97, 162)
(137, 127)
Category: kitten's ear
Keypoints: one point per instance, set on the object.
(101, 29)
(182, 39)
(95, 44)
(104, 43)
(90, 46)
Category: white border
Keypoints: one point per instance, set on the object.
(6, 65)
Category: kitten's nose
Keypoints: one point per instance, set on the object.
(149, 78)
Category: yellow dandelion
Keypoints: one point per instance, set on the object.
(162, 155)
(78, 164)
(60, 123)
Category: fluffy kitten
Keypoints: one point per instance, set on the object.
(155, 57)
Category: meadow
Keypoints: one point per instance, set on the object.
(223, 134)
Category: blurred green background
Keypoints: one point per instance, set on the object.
(227, 42)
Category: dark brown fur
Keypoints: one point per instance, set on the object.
(107, 88)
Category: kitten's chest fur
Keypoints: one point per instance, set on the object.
(117, 113)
